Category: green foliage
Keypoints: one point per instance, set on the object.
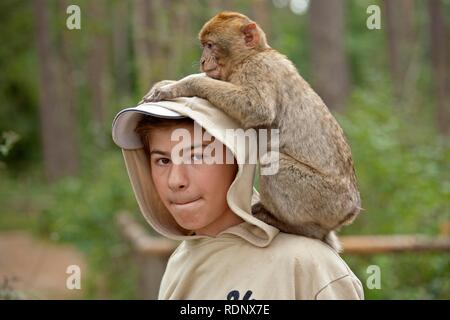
(291, 38)
(80, 211)
(405, 276)
(404, 182)
(18, 77)
(8, 139)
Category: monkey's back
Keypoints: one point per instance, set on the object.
(308, 130)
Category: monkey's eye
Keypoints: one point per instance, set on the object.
(209, 45)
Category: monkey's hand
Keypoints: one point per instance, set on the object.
(157, 85)
(181, 88)
(166, 92)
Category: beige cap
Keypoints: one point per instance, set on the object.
(126, 120)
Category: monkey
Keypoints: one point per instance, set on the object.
(315, 192)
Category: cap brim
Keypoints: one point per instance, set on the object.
(126, 121)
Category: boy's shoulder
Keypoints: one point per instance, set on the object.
(307, 253)
(329, 274)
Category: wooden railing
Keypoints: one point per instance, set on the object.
(152, 252)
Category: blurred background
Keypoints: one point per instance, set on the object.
(63, 181)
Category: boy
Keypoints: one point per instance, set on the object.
(225, 252)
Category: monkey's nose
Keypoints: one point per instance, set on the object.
(202, 62)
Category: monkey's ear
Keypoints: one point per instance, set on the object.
(251, 34)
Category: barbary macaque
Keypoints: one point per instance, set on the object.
(315, 190)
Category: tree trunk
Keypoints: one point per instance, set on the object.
(329, 65)
(182, 38)
(121, 58)
(68, 91)
(400, 35)
(98, 62)
(440, 63)
(58, 133)
(147, 24)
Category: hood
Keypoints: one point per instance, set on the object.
(241, 193)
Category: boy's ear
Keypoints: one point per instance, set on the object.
(251, 34)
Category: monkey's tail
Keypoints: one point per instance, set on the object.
(332, 240)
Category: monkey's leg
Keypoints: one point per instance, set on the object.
(311, 230)
(263, 214)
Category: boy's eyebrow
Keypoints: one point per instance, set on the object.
(159, 152)
(164, 153)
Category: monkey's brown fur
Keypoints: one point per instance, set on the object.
(315, 190)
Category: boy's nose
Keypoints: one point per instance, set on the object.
(177, 177)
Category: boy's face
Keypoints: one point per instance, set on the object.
(194, 194)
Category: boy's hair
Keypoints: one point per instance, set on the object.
(149, 123)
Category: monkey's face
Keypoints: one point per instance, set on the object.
(227, 39)
(222, 52)
(211, 61)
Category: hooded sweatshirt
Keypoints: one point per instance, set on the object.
(250, 260)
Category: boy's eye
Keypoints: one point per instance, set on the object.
(163, 161)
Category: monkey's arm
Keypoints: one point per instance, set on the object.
(244, 103)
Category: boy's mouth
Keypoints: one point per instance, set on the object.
(184, 202)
